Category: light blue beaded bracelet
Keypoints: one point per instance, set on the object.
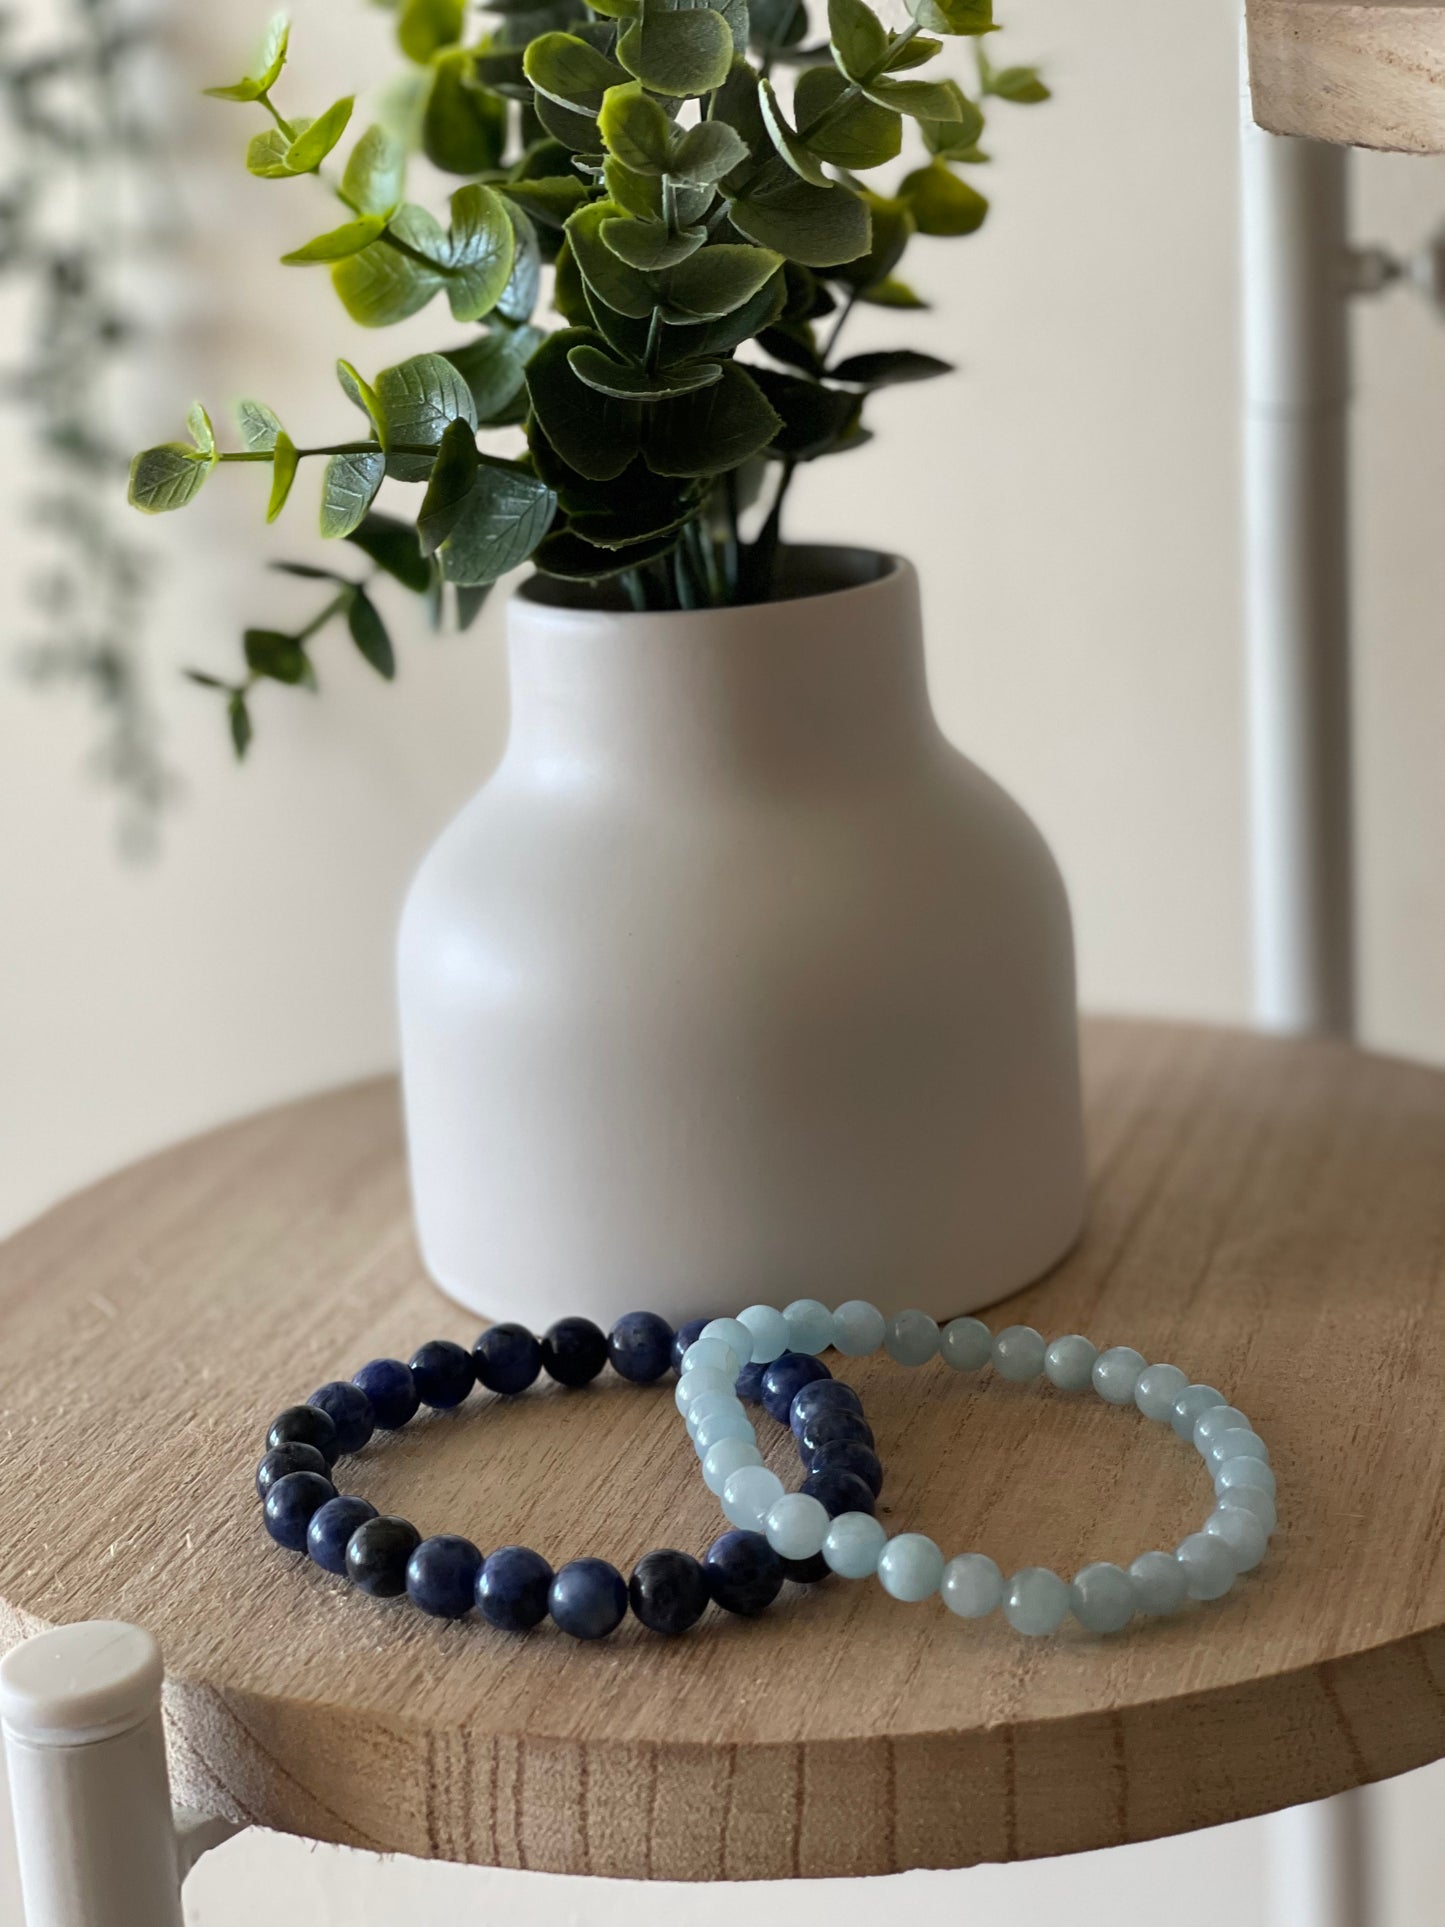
(1102, 1597)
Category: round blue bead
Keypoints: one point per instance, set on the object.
(392, 1391)
(376, 1555)
(786, 1377)
(507, 1358)
(512, 1589)
(828, 1427)
(640, 1347)
(349, 1410)
(822, 1395)
(331, 1528)
(839, 1492)
(290, 1504)
(744, 1574)
(806, 1572)
(442, 1373)
(668, 1591)
(305, 1425)
(573, 1351)
(850, 1455)
(441, 1576)
(588, 1598)
(282, 1459)
(749, 1384)
(686, 1334)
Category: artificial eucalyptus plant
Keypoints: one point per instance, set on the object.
(708, 236)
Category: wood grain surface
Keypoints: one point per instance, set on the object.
(1269, 1215)
(1369, 72)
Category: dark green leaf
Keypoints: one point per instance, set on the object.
(205, 681)
(375, 173)
(636, 194)
(392, 546)
(574, 560)
(793, 149)
(566, 69)
(889, 367)
(650, 245)
(502, 520)
(859, 135)
(635, 129)
(821, 227)
(493, 367)
(348, 489)
(549, 201)
(277, 656)
(470, 598)
(793, 344)
(368, 632)
(891, 224)
(859, 37)
(711, 430)
(706, 152)
(953, 16)
(350, 238)
(736, 105)
(718, 280)
(921, 99)
(691, 340)
(778, 24)
(259, 426)
(267, 69)
(1021, 85)
(426, 25)
(680, 54)
(620, 379)
(620, 286)
(811, 419)
(308, 572)
(464, 128)
(481, 249)
(419, 399)
(452, 476)
(593, 433)
(575, 129)
(239, 717)
(905, 54)
(519, 297)
(941, 203)
(166, 477)
(954, 138)
(283, 474)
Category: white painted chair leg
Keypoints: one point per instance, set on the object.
(1319, 1864)
(97, 1841)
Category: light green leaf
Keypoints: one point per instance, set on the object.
(375, 173)
(711, 430)
(917, 52)
(953, 16)
(202, 433)
(267, 69)
(681, 54)
(424, 26)
(704, 153)
(922, 99)
(481, 248)
(464, 128)
(1022, 85)
(617, 9)
(593, 433)
(259, 426)
(857, 136)
(626, 383)
(451, 479)
(570, 71)
(266, 153)
(820, 227)
(957, 139)
(718, 280)
(368, 632)
(309, 150)
(859, 37)
(941, 203)
(350, 238)
(166, 477)
(348, 490)
(361, 392)
(635, 129)
(650, 245)
(419, 400)
(794, 150)
(283, 474)
(502, 520)
(382, 285)
(620, 286)
(891, 293)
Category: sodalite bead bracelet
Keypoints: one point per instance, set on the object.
(1102, 1597)
(515, 1588)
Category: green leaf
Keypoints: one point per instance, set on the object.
(941, 203)
(382, 285)
(859, 37)
(361, 392)
(308, 572)
(921, 99)
(891, 229)
(570, 71)
(202, 433)
(650, 245)
(888, 368)
(735, 105)
(953, 16)
(505, 516)
(239, 717)
(917, 52)
(812, 419)
(576, 130)
(712, 429)
(350, 238)
(464, 128)
(283, 474)
(309, 150)
(635, 129)
(574, 560)
(607, 276)
(368, 632)
(259, 426)
(348, 489)
(206, 681)
(470, 598)
(451, 480)
(481, 248)
(706, 152)
(637, 194)
(595, 434)
(279, 657)
(420, 398)
(777, 25)
(955, 138)
(1022, 85)
(794, 344)
(266, 153)
(392, 546)
(680, 54)
(692, 340)
(524, 284)
(548, 201)
(494, 368)
(425, 26)
(627, 383)
(821, 227)
(166, 477)
(859, 135)
(718, 280)
(793, 149)
(267, 69)
(375, 173)
(891, 293)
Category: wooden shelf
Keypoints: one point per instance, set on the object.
(1269, 1215)
(1368, 72)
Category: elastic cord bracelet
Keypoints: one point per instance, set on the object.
(1035, 1600)
(515, 1588)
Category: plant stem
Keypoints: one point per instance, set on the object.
(285, 126)
(855, 87)
(837, 328)
(353, 448)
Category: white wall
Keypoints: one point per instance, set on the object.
(1072, 500)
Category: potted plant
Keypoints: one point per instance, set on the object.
(736, 978)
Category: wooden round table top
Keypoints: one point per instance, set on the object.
(1269, 1215)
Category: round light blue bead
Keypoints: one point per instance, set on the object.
(1193, 1400)
(1035, 1601)
(1234, 1444)
(705, 1407)
(1069, 1363)
(770, 1332)
(853, 1545)
(810, 1326)
(1102, 1598)
(1116, 1373)
(1242, 1533)
(726, 1457)
(1207, 1564)
(910, 1567)
(1159, 1583)
(748, 1495)
(1217, 1418)
(1157, 1389)
(710, 1354)
(912, 1338)
(736, 1336)
(1251, 1498)
(1235, 1472)
(719, 1426)
(966, 1344)
(858, 1328)
(1018, 1354)
(693, 1384)
(972, 1585)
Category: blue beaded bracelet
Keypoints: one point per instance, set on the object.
(1102, 1597)
(515, 1588)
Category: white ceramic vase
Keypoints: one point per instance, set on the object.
(737, 981)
